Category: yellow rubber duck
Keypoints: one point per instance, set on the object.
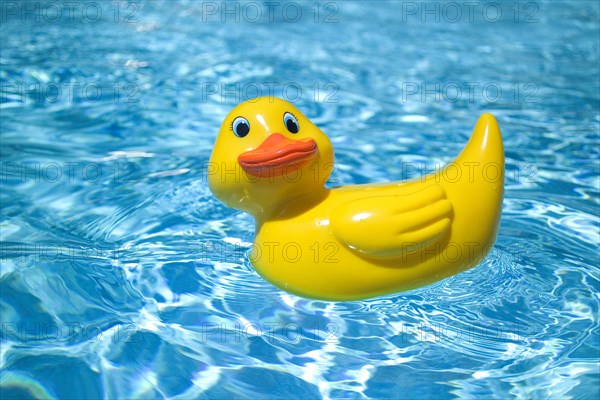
(359, 241)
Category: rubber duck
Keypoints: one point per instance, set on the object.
(358, 241)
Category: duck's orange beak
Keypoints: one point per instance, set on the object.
(278, 155)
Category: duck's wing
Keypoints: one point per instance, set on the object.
(390, 225)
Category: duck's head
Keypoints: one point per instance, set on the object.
(267, 154)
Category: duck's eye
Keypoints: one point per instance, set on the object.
(240, 126)
(291, 123)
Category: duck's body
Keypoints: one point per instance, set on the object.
(360, 241)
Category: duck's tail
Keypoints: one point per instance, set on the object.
(474, 183)
(485, 145)
(479, 168)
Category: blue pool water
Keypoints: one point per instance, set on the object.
(123, 277)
